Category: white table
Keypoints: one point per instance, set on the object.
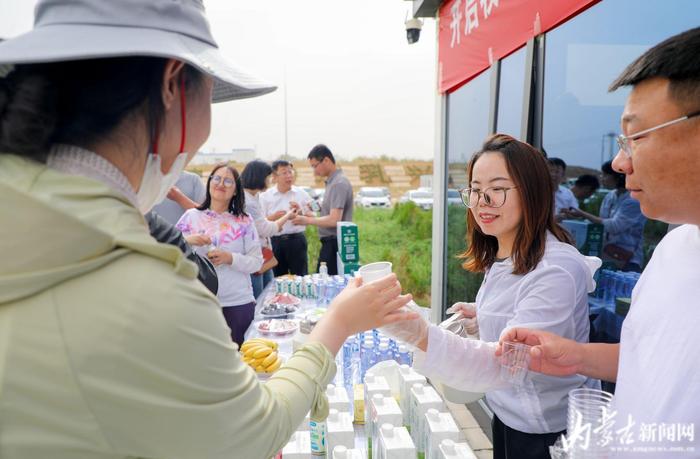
(285, 347)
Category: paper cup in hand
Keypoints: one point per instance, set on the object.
(374, 271)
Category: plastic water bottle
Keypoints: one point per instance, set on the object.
(321, 299)
(331, 290)
(384, 351)
(347, 364)
(404, 354)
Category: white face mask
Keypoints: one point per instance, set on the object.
(154, 184)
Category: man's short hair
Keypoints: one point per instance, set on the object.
(619, 177)
(675, 59)
(281, 163)
(588, 180)
(319, 152)
(557, 162)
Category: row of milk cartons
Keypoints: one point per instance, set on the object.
(406, 421)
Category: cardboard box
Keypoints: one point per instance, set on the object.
(348, 242)
(346, 268)
(587, 236)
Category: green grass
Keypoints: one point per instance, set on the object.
(401, 235)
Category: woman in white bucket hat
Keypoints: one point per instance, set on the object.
(109, 346)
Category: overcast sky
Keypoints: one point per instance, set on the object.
(352, 81)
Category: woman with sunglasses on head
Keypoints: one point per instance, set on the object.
(224, 233)
(533, 276)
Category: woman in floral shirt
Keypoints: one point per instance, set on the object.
(221, 230)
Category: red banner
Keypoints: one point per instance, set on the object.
(475, 33)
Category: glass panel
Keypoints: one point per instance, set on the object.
(583, 56)
(510, 94)
(467, 127)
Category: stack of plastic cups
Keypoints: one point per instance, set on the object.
(588, 410)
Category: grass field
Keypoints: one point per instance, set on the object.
(401, 235)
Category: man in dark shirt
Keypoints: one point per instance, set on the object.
(337, 205)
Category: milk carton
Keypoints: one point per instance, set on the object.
(298, 447)
(395, 443)
(341, 452)
(337, 398)
(423, 398)
(358, 404)
(374, 385)
(439, 427)
(448, 449)
(407, 378)
(383, 410)
(339, 430)
(317, 432)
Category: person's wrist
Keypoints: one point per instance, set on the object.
(586, 359)
(336, 321)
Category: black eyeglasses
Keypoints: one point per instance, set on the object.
(216, 179)
(493, 197)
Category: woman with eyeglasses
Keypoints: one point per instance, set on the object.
(224, 233)
(533, 276)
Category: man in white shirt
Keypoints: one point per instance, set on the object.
(657, 399)
(289, 246)
(563, 197)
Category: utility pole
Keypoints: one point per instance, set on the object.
(286, 136)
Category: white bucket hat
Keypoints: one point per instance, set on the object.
(88, 29)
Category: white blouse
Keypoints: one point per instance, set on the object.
(552, 297)
(236, 235)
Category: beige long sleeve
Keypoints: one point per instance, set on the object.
(175, 386)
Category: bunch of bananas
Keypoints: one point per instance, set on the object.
(261, 354)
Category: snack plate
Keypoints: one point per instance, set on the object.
(277, 327)
(289, 310)
(283, 298)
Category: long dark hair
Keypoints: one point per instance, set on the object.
(79, 102)
(530, 173)
(236, 205)
(255, 174)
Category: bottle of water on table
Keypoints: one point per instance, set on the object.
(322, 283)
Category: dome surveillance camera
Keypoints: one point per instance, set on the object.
(413, 27)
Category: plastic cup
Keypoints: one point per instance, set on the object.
(374, 271)
(587, 408)
(515, 362)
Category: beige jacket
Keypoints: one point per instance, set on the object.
(111, 348)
